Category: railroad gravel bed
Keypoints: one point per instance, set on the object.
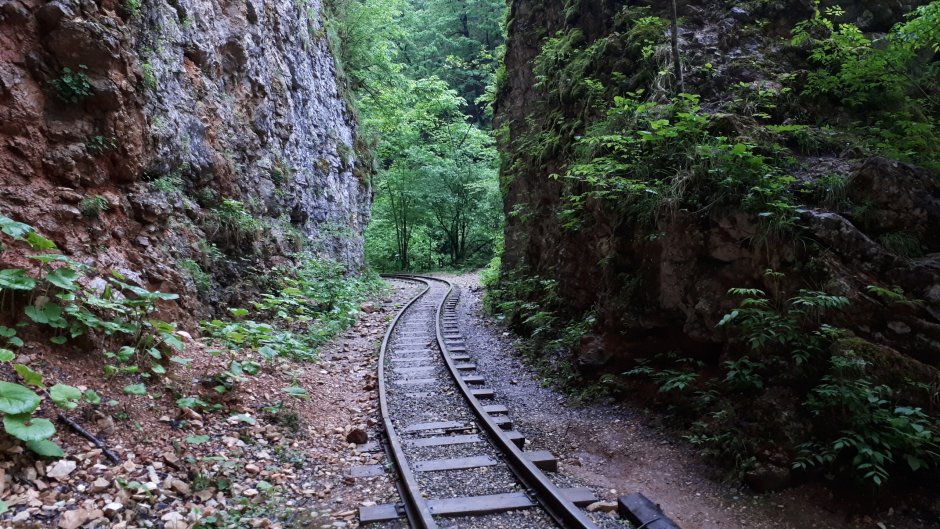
(441, 401)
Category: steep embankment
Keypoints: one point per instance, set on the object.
(803, 149)
(179, 142)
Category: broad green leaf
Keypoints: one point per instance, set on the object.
(48, 313)
(25, 427)
(187, 402)
(30, 377)
(180, 360)
(65, 396)
(63, 277)
(7, 332)
(162, 326)
(239, 313)
(58, 340)
(14, 229)
(38, 242)
(197, 439)
(45, 448)
(158, 369)
(135, 389)
(3, 507)
(16, 398)
(16, 279)
(174, 342)
(267, 352)
(50, 258)
(6, 355)
(166, 296)
(296, 391)
(92, 398)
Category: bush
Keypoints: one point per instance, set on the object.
(200, 278)
(313, 302)
(120, 316)
(72, 86)
(233, 224)
(862, 435)
(93, 206)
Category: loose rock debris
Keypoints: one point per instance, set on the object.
(269, 460)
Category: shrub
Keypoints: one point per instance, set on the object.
(150, 76)
(171, 183)
(312, 303)
(866, 438)
(200, 278)
(99, 144)
(133, 7)
(93, 206)
(234, 224)
(72, 86)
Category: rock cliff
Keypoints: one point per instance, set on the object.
(183, 141)
(662, 284)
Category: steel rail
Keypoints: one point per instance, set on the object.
(566, 513)
(416, 508)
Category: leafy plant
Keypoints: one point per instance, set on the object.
(98, 144)
(312, 303)
(200, 278)
(120, 313)
(133, 7)
(72, 86)
(233, 224)
(888, 81)
(170, 183)
(149, 72)
(902, 244)
(93, 206)
(870, 438)
(19, 405)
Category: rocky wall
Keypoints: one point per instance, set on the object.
(188, 103)
(664, 287)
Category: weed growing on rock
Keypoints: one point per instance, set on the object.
(93, 206)
(170, 183)
(99, 144)
(233, 224)
(132, 7)
(72, 86)
(150, 76)
(199, 277)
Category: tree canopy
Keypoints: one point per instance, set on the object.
(418, 71)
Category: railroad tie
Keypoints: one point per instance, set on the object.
(454, 463)
(483, 394)
(494, 503)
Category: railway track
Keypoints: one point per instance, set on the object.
(459, 460)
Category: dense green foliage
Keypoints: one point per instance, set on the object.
(418, 71)
(310, 304)
(886, 81)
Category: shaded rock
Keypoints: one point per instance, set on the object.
(357, 436)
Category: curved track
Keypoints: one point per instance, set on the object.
(455, 450)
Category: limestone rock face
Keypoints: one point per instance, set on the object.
(169, 110)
